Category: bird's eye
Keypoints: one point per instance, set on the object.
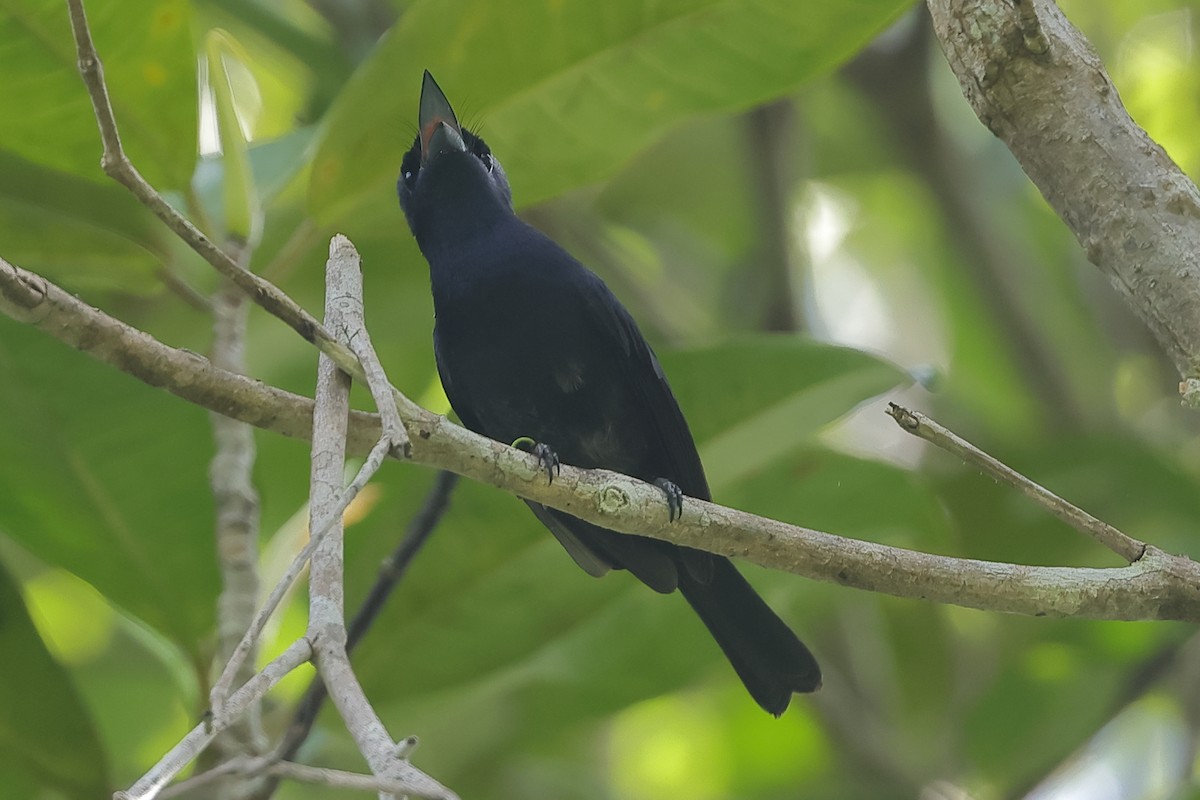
(410, 167)
(486, 158)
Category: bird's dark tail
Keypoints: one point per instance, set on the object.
(771, 661)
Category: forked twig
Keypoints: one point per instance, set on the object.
(116, 165)
(925, 428)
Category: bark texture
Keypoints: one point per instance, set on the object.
(1038, 85)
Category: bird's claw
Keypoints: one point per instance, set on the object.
(674, 498)
(545, 455)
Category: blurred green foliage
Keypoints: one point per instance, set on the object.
(920, 266)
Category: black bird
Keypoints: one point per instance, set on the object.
(533, 349)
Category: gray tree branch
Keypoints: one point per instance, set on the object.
(1157, 586)
(116, 165)
(325, 640)
(193, 743)
(923, 427)
(237, 515)
(326, 614)
(1036, 83)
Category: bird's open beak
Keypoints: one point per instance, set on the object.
(439, 127)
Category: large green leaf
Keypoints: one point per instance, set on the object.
(723, 386)
(570, 91)
(70, 229)
(751, 400)
(225, 58)
(44, 727)
(106, 477)
(476, 601)
(849, 496)
(146, 49)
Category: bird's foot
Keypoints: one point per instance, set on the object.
(674, 498)
(546, 456)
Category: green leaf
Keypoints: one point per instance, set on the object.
(569, 92)
(476, 601)
(849, 496)
(106, 477)
(44, 727)
(146, 49)
(1051, 689)
(721, 385)
(749, 401)
(242, 211)
(69, 229)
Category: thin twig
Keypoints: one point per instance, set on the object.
(391, 571)
(149, 785)
(229, 767)
(354, 332)
(326, 621)
(225, 682)
(336, 778)
(117, 165)
(249, 766)
(184, 290)
(925, 428)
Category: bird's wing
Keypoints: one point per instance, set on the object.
(456, 402)
(597, 550)
(672, 437)
(588, 559)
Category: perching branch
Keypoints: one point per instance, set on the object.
(1036, 83)
(1158, 586)
(980, 38)
(1149, 589)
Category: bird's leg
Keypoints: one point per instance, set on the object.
(547, 457)
(674, 498)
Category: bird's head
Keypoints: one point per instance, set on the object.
(449, 179)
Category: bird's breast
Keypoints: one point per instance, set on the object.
(535, 369)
